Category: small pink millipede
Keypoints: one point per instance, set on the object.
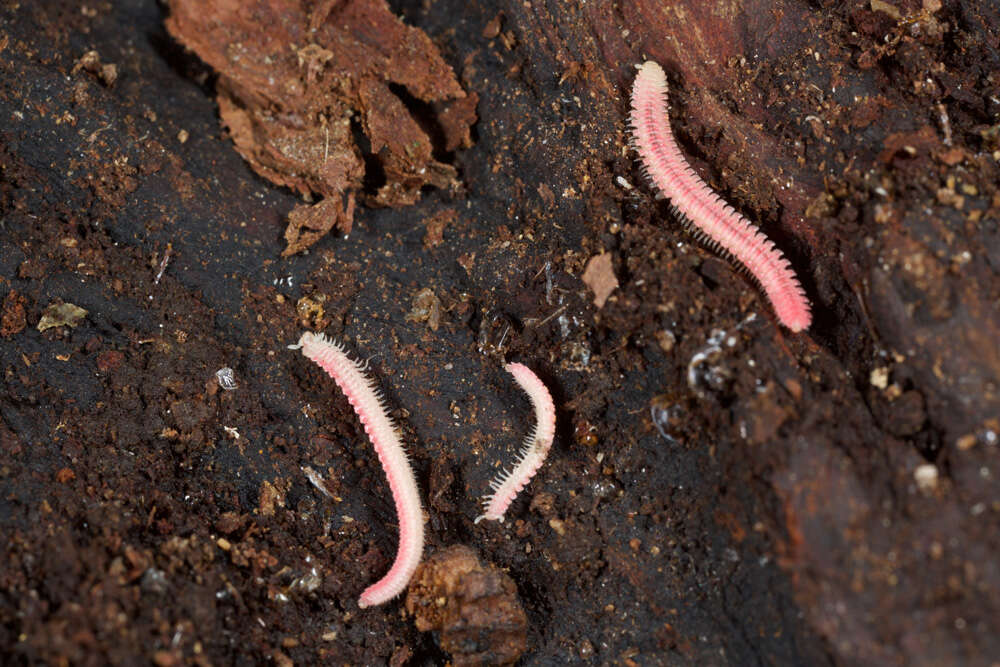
(367, 402)
(536, 446)
(698, 206)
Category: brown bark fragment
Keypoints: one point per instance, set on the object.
(404, 148)
(307, 224)
(457, 120)
(291, 73)
(320, 158)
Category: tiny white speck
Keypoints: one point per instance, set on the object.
(226, 378)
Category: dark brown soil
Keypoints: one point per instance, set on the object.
(720, 492)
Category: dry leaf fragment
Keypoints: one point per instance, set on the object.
(599, 276)
(61, 314)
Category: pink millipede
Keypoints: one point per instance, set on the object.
(699, 206)
(536, 446)
(366, 400)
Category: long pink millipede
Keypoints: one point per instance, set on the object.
(367, 401)
(536, 446)
(700, 207)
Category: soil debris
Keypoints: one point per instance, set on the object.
(436, 224)
(474, 608)
(13, 319)
(426, 308)
(106, 73)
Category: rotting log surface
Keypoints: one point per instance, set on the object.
(777, 519)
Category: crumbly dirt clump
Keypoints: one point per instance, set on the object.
(474, 608)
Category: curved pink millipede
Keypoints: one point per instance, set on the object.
(699, 206)
(536, 446)
(368, 403)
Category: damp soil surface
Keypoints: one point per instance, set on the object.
(178, 487)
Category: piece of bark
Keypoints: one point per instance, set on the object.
(315, 159)
(308, 224)
(291, 74)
